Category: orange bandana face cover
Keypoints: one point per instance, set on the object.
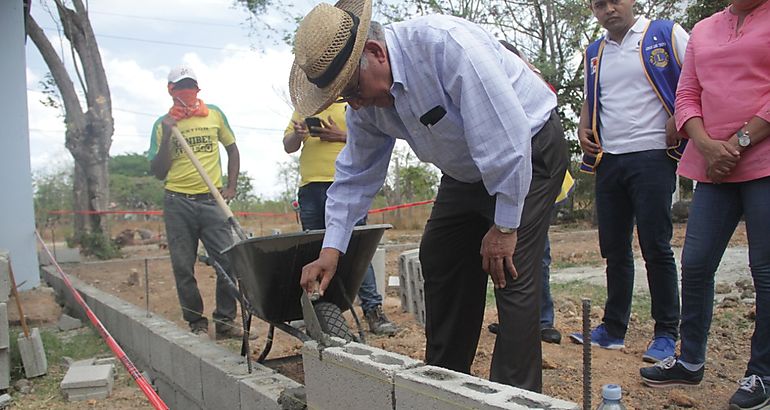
(186, 103)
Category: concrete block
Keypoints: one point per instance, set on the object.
(5, 278)
(5, 400)
(61, 252)
(140, 341)
(33, 354)
(435, 388)
(362, 376)
(263, 392)
(67, 322)
(380, 275)
(4, 331)
(87, 382)
(5, 369)
(166, 391)
(183, 401)
(160, 349)
(404, 279)
(221, 372)
(186, 367)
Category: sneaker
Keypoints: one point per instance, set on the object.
(659, 348)
(752, 394)
(670, 372)
(550, 335)
(379, 324)
(600, 337)
(200, 331)
(226, 329)
(493, 328)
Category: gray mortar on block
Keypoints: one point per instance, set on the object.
(361, 376)
(431, 387)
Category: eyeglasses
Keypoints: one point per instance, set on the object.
(352, 91)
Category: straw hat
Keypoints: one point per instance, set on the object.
(327, 50)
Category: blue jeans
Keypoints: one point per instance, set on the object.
(638, 186)
(546, 302)
(312, 214)
(714, 214)
(187, 221)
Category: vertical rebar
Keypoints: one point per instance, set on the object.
(586, 354)
(146, 288)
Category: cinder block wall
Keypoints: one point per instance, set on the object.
(187, 372)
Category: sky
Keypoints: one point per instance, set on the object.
(240, 70)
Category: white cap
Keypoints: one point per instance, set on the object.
(611, 392)
(180, 73)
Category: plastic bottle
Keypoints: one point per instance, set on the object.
(611, 394)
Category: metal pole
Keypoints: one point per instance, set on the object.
(586, 354)
(146, 288)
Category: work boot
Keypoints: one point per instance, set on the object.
(227, 329)
(379, 324)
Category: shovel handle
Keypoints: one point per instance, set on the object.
(15, 294)
(212, 188)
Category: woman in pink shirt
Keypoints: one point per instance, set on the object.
(723, 105)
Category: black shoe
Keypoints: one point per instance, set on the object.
(493, 328)
(379, 324)
(550, 335)
(227, 329)
(669, 372)
(752, 394)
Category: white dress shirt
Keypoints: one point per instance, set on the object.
(632, 117)
(494, 105)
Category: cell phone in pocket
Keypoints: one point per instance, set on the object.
(312, 122)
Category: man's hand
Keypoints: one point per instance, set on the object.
(330, 131)
(228, 193)
(587, 144)
(320, 270)
(672, 135)
(300, 129)
(497, 253)
(168, 122)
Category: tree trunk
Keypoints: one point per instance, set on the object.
(89, 133)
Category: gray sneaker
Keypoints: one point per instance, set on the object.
(379, 324)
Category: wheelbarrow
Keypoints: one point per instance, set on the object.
(268, 270)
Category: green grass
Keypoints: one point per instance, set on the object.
(78, 344)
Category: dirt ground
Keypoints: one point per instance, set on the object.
(571, 246)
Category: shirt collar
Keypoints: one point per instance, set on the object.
(395, 59)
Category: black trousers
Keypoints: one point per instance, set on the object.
(455, 284)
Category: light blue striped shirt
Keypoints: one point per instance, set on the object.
(494, 105)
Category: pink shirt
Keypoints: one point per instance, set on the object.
(726, 81)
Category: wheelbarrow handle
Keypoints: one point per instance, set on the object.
(212, 188)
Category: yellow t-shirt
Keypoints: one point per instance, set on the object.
(203, 135)
(316, 162)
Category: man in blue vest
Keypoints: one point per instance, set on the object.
(629, 140)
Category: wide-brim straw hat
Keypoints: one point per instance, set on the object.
(322, 35)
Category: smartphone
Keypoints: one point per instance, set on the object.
(312, 122)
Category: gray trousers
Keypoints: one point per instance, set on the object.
(188, 220)
(455, 284)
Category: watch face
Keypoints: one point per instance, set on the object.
(744, 140)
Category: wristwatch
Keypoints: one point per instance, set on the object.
(743, 137)
(504, 229)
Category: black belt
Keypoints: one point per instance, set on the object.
(193, 197)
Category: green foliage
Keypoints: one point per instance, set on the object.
(136, 192)
(288, 175)
(84, 343)
(52, 191)
(409, 179)
(95, 244)
(700, 9)
(130, 165)
(244, 196)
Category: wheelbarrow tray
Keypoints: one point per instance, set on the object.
(269, 270)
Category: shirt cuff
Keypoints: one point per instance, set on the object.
(683, 115)
(338, 238)
(764, 112)
(507, 212)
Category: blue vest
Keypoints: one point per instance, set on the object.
(662, 67)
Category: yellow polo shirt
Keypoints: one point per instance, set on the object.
(203, 135)
(316, 161)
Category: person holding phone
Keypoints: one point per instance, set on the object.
(321, 138)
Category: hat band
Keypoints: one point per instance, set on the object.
(338, 63)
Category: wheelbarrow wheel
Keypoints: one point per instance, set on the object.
(331, 320)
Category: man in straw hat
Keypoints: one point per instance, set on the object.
(476, 111)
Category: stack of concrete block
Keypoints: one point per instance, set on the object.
(92, 382)
(5, 290)
(355, 376)
(412, 284)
